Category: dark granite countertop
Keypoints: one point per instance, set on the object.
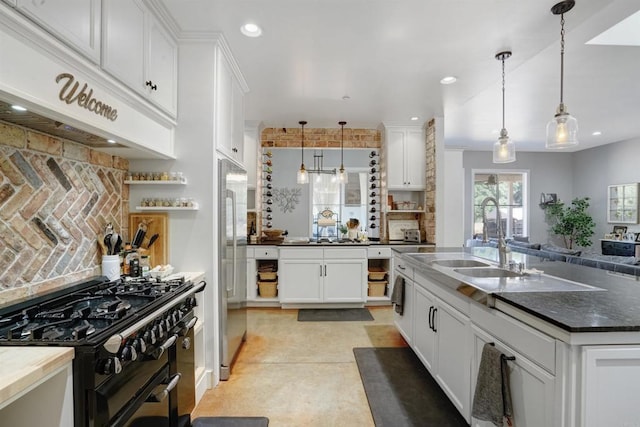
(616, 309)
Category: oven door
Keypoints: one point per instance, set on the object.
(154, 404)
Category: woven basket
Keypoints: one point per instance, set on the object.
(377, 273)
(268, 289)
(267, 275)
(377, 289)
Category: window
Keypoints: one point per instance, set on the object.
(510, 190)
(345, 201)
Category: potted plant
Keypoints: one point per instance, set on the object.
(573, 223)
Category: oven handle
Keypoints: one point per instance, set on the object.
(159, 397)
(113, 343)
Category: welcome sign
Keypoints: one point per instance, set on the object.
(70, 93)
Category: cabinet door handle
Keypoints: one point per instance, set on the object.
(320, 271)
(435, 310)
(325, 270)
(430, 324)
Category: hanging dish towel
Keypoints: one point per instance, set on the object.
(492, 398)
(397, 296)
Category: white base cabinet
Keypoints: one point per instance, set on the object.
(404, 322)
(607, 371)
(532, 388)
(441, 339)
(317, 275)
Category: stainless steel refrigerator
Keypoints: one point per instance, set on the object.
(232, 262)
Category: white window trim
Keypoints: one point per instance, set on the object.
(526, 178)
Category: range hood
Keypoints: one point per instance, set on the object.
(30, 120)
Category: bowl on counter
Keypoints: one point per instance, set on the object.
(272, 233)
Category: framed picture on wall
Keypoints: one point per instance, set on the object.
(619, 229)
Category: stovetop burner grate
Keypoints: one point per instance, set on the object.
(73, 317)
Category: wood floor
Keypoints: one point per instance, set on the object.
(300, 373)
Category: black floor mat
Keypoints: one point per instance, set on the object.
(401, 392)
(230, 422)
(334, 315)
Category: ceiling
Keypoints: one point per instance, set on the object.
(388, 57)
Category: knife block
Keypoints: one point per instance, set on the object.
(157, 223)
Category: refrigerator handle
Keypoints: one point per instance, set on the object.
(232, 292)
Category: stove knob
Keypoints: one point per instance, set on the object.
(175, 316)
(129, 353)
(150, 336)
(167, 323)
(110, 366)
(158, 330)
(139, 345)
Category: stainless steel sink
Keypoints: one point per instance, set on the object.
(455, 263)
(486, 272)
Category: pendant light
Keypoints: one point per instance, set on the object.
(504, 149)
(562, 130)
(303, 176)
(342, 175)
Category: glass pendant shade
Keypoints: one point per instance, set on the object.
(342, 175)
(504, 150)
(303, 175)
(562, 130)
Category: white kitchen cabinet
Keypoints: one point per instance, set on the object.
(533, 392)
(316, 275)
(404, 321)
(441, 340)
(229, 116)
(406, 157)
(75, 22)
(424, 337)
(606, 369)
(137, 50)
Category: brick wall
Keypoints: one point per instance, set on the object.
(429, 222)
(55, 197)
(320, 138)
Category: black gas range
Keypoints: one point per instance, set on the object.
(133, 346)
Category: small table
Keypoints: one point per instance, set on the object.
(618, 247)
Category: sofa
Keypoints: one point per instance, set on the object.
(619, 264)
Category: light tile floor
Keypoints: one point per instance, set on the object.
(300, 373)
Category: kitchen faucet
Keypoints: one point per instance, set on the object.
(503, 249)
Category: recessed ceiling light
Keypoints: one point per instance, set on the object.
(111, 141)
(414, 118)
(18, 108)
(448, 80)
(596, 133)
(251, 30)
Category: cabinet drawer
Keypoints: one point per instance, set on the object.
(532, 343)
(340, 253)
(266, 252)
(373, 253)
(301, 253)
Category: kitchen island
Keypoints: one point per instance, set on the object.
(576, 345)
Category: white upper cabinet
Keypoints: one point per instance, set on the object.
(138, 51)
(230, 111)
(406, 157)
(75, 22)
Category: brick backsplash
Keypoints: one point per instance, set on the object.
(55, 197)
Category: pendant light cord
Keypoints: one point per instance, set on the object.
(503, 92)
(561, 57)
